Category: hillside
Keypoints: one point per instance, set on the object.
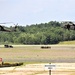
(44, 33)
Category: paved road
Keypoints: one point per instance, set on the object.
(41, 60)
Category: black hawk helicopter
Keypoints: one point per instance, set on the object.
(12, 29)
(68, 25)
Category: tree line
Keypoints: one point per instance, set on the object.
(44, 33)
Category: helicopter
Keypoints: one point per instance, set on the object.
(68, 25)
(5, 29)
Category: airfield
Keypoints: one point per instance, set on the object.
(35, 58)
(34, 53)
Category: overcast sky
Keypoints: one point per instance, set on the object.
(27, 12)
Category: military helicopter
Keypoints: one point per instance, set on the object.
(68, 25)
(12, 29)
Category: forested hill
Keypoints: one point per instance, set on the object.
(44, 33)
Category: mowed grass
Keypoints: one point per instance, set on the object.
(36, 53)
(67, 43)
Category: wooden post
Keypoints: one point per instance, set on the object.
(49, 72)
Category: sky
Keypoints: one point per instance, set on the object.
(27, 12)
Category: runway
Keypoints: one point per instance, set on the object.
(41, 60)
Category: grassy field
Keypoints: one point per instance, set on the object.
(67, 43)
(34, 53)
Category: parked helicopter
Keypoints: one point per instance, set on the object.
(69, 25)
(12, 29)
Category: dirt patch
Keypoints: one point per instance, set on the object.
(39, 69)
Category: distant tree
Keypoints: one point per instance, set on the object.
(43, 33)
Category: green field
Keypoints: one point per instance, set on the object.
(67, 43)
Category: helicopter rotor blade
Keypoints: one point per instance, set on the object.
(6, 23)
